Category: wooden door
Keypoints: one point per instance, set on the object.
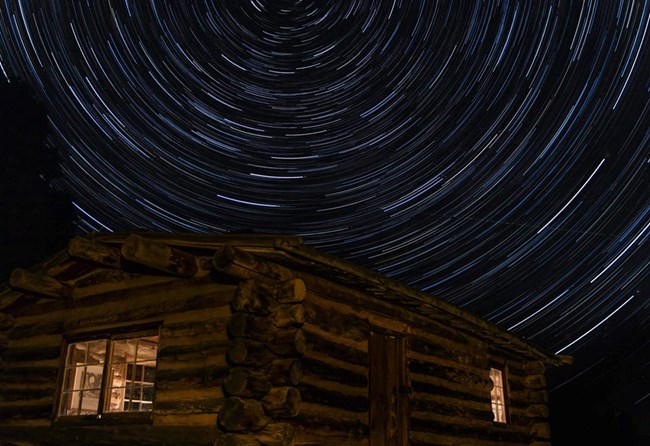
(388, 390)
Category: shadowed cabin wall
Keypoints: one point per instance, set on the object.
(448, 370)
(193, 316)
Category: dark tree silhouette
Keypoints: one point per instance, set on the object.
(35, 219)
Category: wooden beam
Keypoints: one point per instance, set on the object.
(39, 283)
(159, 256)
(83, 248)
(244, 265)
(6, 321)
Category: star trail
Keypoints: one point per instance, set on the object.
(492, 153)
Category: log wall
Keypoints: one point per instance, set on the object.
(193, 315)
(448, 370)
(265, 350)
(269, 357)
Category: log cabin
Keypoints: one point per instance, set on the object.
(251, 340)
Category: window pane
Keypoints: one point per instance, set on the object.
(82, 378)
(497, 396)
(133, 367)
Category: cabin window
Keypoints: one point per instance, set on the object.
(498, 395)
(113, 374)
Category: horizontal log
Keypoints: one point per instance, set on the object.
(451, 438)
(466, 428)
(24, 374)
(158, 300)
(282, 402)
(38, 341)
(6, 321)
(249, 353)
(189, 393)
(322, 424)
(244, 265)
(423, 402)
(211, 318)
(288, 343)
(203, 345)
(291, 291)
(83, 248)
(26, 409)
(461, 356)
(247, 325)
(330, 437)
(537, 411)
(288, 315)
(461, 423)
(541, 431)
(194, 422)
(105, 433)
(239, 415)
(23, 279)
(324, 342)
(32, 353)
(333, 395)
(530, 396)
(250, 299)
(284, 372)
(159, 256)
(26, 391)
(246, 383)
(534, 367)
(535, 381)
(480, 388)
(274, 434)
(257, 297)
(449, 371)
(188, 407)
(341, 322)
(200, 372)
(323, 367)
(451, 420)
(436, 386)
(195, 331)
(4, 342)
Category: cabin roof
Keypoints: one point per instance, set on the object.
(290, 252)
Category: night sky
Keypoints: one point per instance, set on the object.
(495, 154)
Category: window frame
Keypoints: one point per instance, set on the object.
(110, 335)
(503, 370)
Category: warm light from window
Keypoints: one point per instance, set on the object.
(126, 385)
(498, 396)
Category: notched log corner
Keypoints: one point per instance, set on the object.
(159, 256)
(39, 284)
(241, 415)
(83, 248)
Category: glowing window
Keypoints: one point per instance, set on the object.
(498, 396)
(116, 374)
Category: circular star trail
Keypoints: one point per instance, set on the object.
(492, 153)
